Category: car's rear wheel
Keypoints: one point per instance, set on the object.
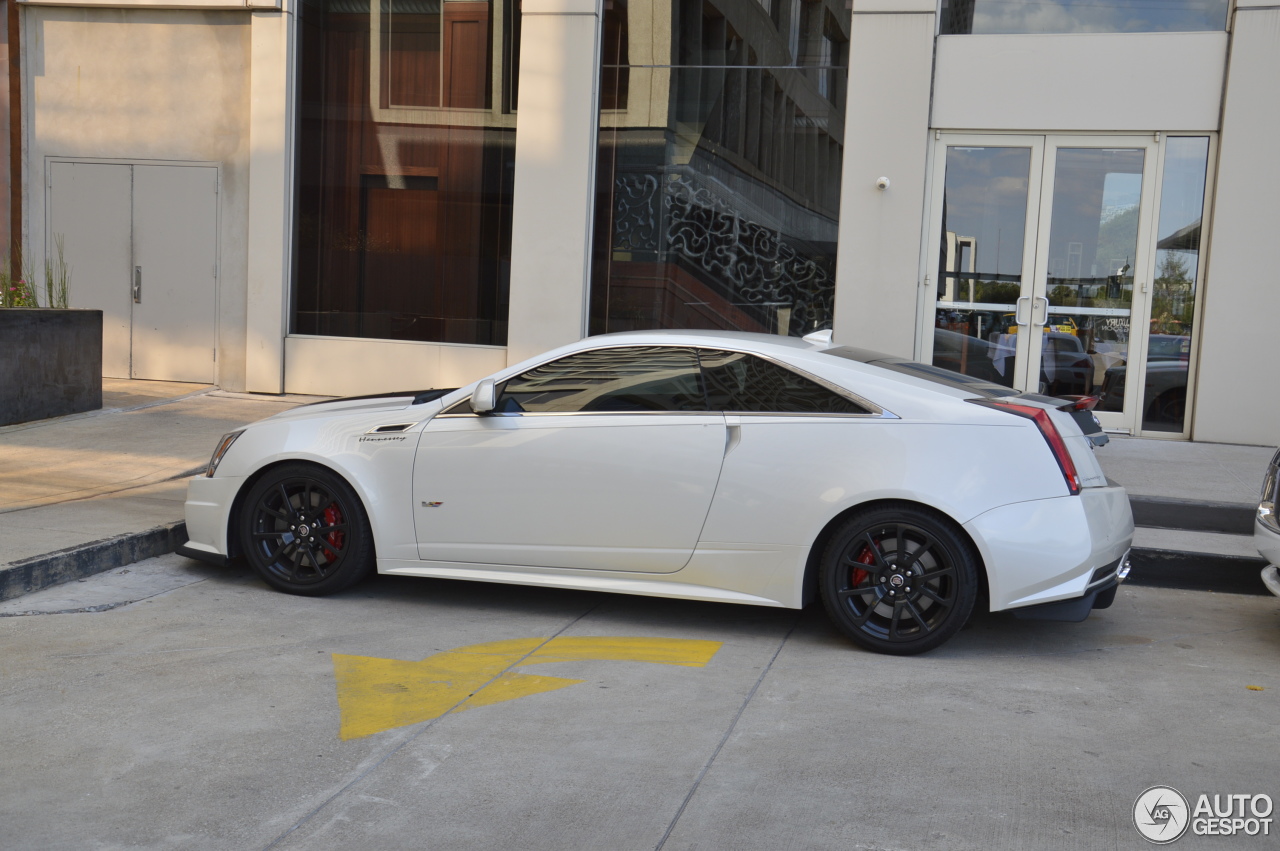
(898, 580)
(305, 531)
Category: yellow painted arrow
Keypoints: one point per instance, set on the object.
(379, 694)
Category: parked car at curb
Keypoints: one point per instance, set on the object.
(1266, 525)
(715, 466)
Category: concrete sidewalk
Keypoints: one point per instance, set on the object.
(93, 491)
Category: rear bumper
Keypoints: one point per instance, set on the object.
(1057, 549)
(1099, 594)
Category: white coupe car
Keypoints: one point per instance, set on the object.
(737, 468)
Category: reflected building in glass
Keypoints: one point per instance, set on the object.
(720, 154)
(405, 160)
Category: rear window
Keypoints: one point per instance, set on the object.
(928, 372)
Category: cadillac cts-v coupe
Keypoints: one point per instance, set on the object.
(700, 465)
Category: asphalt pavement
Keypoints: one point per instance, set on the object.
(174, 705)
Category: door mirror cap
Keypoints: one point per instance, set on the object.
(483, 398)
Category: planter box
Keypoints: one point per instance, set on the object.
(50, 363)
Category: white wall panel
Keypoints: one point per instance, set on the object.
(269, 201)
(1111, 81)
(553, 203)
(345, 366)
(886, 134)
(1237, 400)
(144, 85)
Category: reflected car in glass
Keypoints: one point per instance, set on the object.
(1065, 368)
(1165, 393)
(714, 466)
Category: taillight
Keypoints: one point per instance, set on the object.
(1044, 422)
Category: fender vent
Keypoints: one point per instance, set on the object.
(387, 429)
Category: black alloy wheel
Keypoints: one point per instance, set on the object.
(899, 580)
(305, 531)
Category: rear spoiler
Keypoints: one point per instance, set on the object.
(1081, 410)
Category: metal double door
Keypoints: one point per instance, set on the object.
(141, 244)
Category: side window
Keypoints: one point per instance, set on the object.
(634, 379)
(742, 383)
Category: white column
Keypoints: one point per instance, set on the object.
(270, 203)
(1236, 400)
(886, 135)
(553, 204)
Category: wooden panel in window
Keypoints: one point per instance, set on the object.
(412, 60)
(466, 65)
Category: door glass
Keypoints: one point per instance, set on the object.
(635, 379)
(742, 383)
(984, 213)
(1093, 246)
(1173, 295)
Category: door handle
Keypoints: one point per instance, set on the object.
(137, 285)
(1044, 317)
(1017, 310)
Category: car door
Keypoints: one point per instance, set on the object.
(605, 459)
(792, 451)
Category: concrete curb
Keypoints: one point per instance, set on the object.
(37, 572)
(1197, 571)
(1227, 518)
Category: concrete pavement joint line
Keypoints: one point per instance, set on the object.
(143, 481)
(727, 733)
(101, 411)
(102, 607)
(276, 647)
(362, 775)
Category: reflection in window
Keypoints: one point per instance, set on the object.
(625, 380)
(742, 383)
(1173, 297)
(719, 171)
(985, 17)
(405, 167)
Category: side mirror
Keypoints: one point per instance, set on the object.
(483, 397)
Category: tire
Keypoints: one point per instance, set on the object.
(898, 580)
(335, 548)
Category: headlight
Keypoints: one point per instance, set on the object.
(223, 445)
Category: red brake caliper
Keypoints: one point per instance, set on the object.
(332, 517)
(864, 557)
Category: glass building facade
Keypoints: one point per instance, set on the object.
(404, 170)
(718, 179)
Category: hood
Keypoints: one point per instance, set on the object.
(362, 404)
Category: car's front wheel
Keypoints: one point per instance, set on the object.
(305, 531)
(898, 580)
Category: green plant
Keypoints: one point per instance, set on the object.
(57, 274)
(18, 285)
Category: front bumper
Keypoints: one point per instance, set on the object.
(1051, 550)
(208, 508)
(1267, 540)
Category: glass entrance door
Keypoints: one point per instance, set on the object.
(1041, 258)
